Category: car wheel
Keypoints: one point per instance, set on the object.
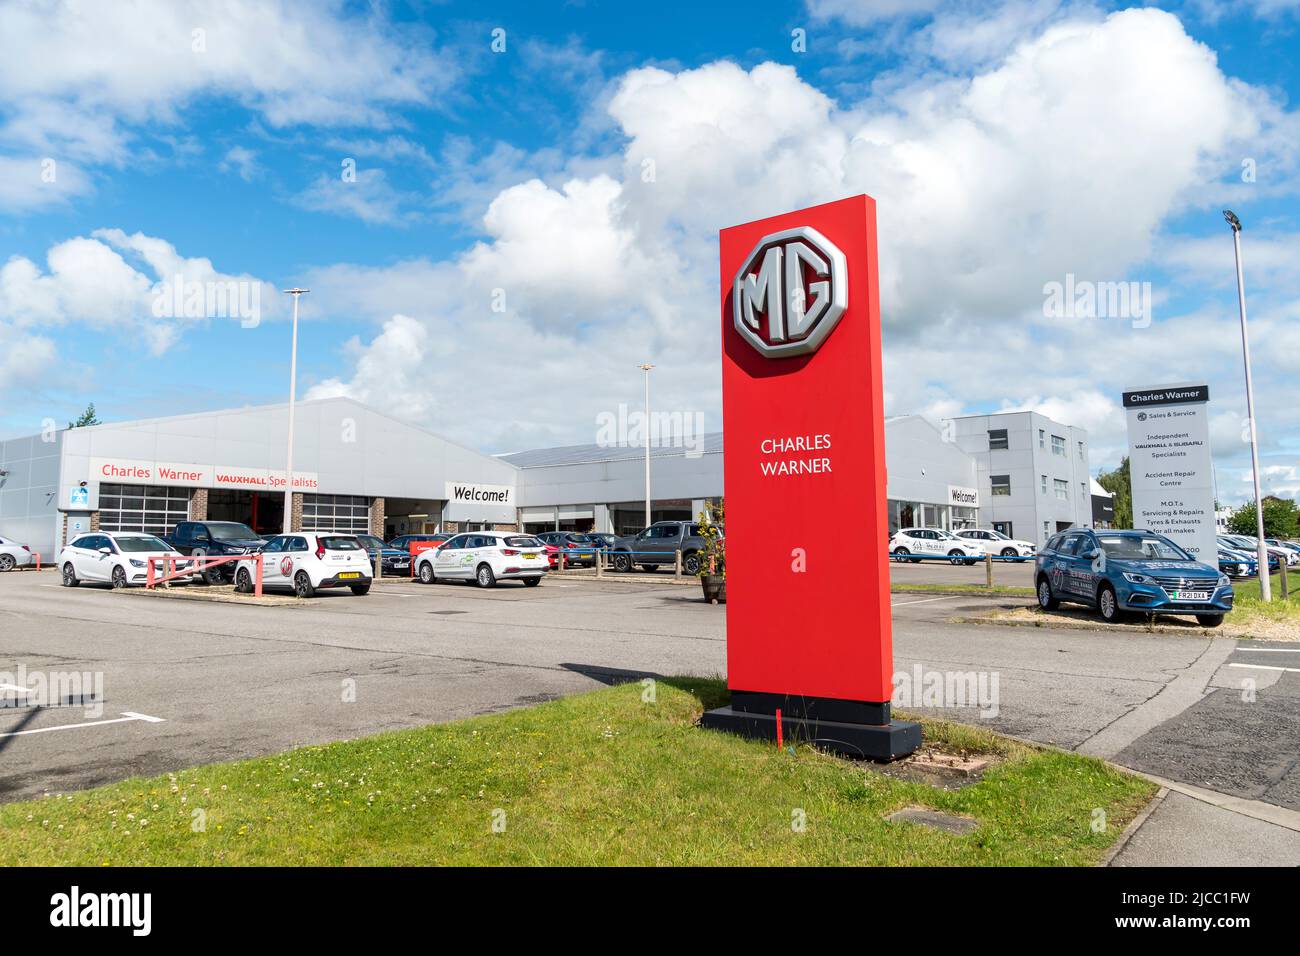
(533, 582)
(360, 590)
(1209, 620)
(69, 576)
(900, 554)
(484, 576)
(302, 585)
(426, 573)
(119, 578)
(1008, 552)
(209, 575)
(650, 567)
(622, 562)
(1046, 599)
(956, 557)
(970, 561)
(7, 562)
(244, 581)
(1108, 605)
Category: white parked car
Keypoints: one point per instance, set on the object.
(908, 543)
(306, 562)
(119, 558)
(997, 543)
(14, 555)
(485, 557)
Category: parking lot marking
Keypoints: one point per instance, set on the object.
(1271, 650)
(126, 717)
(947, 597)
(1267, 667)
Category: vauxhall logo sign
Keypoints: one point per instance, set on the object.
(790, 292)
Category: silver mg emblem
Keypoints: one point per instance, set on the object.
(771, 295)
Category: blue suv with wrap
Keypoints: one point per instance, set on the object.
(1118, 572)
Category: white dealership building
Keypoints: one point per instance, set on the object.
(357, 470)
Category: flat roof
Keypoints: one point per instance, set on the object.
(711, 444)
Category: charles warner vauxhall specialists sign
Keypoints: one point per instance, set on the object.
(1169, 459)
(808, 620)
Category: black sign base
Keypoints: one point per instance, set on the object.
(819, 721)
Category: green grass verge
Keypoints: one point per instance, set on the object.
(1249, 608)
(600, 778)
(965, 589)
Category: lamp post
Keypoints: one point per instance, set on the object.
(646, 368)
(293, 390)
(1261, 554)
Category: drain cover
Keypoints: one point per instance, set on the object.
(949, 823)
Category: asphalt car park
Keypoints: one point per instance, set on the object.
(186, 682)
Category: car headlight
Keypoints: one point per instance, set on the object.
(1223, 580)
(1134, 578)
(136, 563)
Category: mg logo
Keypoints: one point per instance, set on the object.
(790, 292)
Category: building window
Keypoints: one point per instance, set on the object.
(1001, 484)
(1058, 445)
(1047, 530)
(1062, 489)
(1042, 441)
(1083, 491)
(1042, 484)
(346, 514)
(1080, 451)
(148, 508)
(997, 439)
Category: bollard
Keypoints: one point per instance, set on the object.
(988, 570)
(379, 565)
(600, 564)
(560, 565)
(677, 564)
(1281, 566)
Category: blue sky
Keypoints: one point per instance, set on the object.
(580, 175)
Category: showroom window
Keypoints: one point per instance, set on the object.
(1062, 489)
(1001, 484)
(153, 509)
(997, 439)
(347, 514)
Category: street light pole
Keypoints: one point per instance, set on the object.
(646, 368)
(1261, 554)
(293, 391)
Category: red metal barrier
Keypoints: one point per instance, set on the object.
(200, 565)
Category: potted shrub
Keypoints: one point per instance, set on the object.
(713, 563)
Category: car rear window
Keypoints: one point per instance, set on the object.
(522, 542)
(340, 543)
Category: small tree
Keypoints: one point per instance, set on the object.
(1280, 519)
(88, 417)
(712, 530)
(1117, 483)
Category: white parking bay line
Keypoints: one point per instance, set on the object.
(1267, 667)
(1270, 650)
(947, 597)
(126, 716)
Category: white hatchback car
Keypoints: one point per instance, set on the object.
(485, 557)
(119, 558)
(997, 543)
(306, 562)
(14, 555)
(916, 544)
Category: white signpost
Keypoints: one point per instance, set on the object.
(1169, 462)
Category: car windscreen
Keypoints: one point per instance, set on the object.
(1141, 548)
(231, 531)
(340, 543)
(371, 542)
(522, 542)
(580, 538)
(142, 543)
